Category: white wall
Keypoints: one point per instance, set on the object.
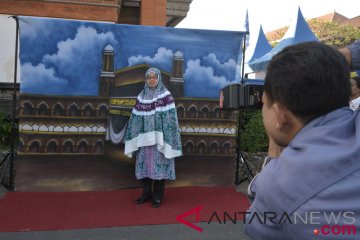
(7, 49)
(257, 75)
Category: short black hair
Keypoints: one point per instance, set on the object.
(310, 79)
(357, 80)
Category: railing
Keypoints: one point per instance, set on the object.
(206, 115)
(61, 149)
(65, 113)
(208, 150)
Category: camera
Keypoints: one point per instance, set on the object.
(241, 96)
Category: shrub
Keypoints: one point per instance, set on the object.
(253, 137)
(5, 132)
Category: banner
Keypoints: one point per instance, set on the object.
(79, 82)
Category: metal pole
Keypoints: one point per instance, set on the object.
(238, 137)
(13, 115)
(243, 60)
(237, 172)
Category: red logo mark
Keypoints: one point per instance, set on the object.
(181, 217)
(316, 231)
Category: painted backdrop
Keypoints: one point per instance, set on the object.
(60, 57)
(79, 81)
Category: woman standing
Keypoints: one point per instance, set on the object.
(153, 136)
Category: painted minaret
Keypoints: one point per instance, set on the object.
(107, 76)
(177, 79)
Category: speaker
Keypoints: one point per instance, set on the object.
(230, 96)
(237, 96)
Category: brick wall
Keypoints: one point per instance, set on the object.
(153, 12)
(105, 10)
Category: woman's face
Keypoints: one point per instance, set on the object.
(355, 91)
(152, 80)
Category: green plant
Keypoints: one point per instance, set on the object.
(5, 132)
(253, 137)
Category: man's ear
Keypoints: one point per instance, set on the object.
(281, 116)
(286, 122)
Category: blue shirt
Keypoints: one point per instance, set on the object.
(355, 54)
(317, 175)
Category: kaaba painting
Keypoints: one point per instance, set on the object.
(79, 83)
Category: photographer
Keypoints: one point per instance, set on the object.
(313, 168)
(352, 54)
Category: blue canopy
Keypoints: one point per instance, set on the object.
(257, 50)
(249, 81)
(297, 33)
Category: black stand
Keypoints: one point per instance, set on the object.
(241, 160)
(10, 157)
(239, 157)
(6, 162)
(248, 174)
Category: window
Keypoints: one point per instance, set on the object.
(204, 112)
(99, 147)
(103, 112)
(227, 148)
(68, 147)
(52, 147)
(216, 113)
(42, 110)
(83, 147)
(88, 110)
(214, 147)
(180, 112)
(34, 147)
(74, 111)
(58, 110)
(201, 148)
(189, 147)
(27, 109)
(192, 112)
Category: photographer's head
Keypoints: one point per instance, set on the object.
(303, 81)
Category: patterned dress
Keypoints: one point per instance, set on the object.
(150, 163)
(153, 133)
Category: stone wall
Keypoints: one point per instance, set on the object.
(6, 93)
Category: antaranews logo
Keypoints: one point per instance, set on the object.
(325, 223)
(181, 218)
(329, 223)
(215, 217)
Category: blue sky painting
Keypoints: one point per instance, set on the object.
(64, 57)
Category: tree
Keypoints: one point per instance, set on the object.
(332, 33)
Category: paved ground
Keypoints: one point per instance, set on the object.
(211, 231)
(148, 232)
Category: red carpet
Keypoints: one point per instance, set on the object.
(37, 211)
